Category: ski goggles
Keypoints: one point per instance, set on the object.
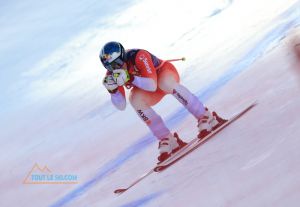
(116, 64)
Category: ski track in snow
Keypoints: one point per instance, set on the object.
(143, 201)
(257, 160)
(219, 10)
(273, 36)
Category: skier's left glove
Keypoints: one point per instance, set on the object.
(121, 76)
(110, 84)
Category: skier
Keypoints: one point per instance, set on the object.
(150, 79)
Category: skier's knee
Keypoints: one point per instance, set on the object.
(168, 85)
(133, 100)
(137, 101)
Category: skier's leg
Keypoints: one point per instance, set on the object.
(142, 101)
(168, 81)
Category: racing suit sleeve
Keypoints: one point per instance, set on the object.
(117, 95)
(118, 98)
(148, 79)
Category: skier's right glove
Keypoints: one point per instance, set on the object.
(110, 84)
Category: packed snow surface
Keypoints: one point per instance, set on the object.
(56, 113)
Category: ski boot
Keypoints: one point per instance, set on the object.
(169, 145)
(209, 122)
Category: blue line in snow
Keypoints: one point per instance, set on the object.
(243, 64)
(143, 201)
(108, 168)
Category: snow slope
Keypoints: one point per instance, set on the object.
(237, 52)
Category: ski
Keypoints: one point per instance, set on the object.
(191, 146)
(196, 142)
(122, 190)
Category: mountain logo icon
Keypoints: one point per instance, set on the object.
(43, 175)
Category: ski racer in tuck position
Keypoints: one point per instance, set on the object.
(149, 80)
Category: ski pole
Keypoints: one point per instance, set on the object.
(171, 60)
(178, 59)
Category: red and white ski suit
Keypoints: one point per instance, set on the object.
(153, 79)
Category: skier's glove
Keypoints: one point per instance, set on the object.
(121, 76)
(110, 84)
